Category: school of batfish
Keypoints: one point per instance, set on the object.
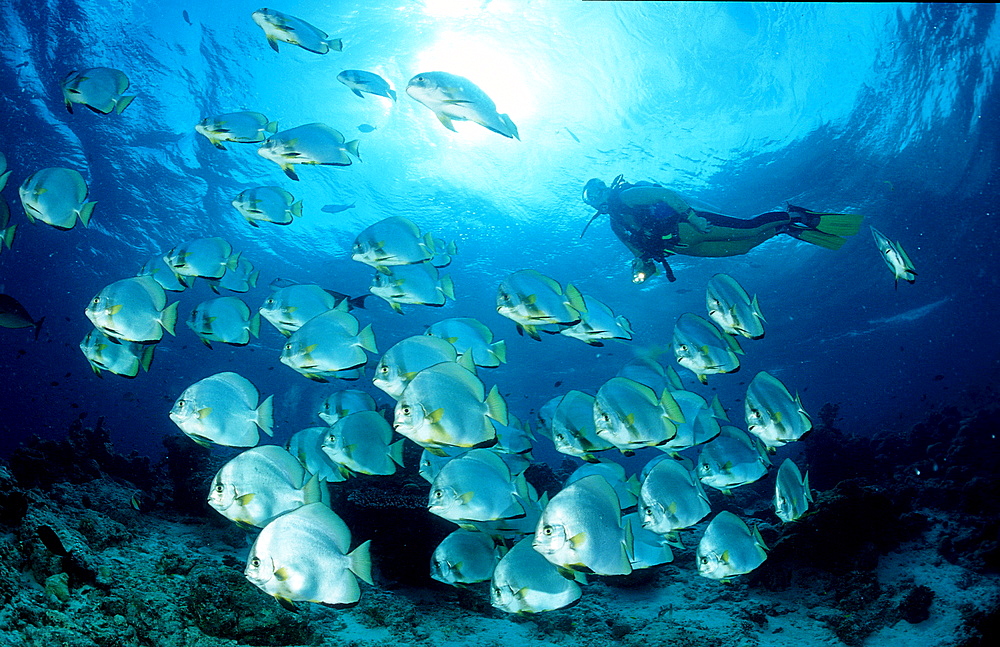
(534, 550)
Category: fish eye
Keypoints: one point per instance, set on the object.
(288, 347)
(96, 301)
(606, 417)
(384, 369)
(683, 348)
(649, 511)
(219, 488)
(438, 494)
(547, 530)
(406, 411)
(559, 437)
(255, 562)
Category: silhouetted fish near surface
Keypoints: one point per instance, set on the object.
(366, 128)
(187, 18)
(336, 208)
(14, 315)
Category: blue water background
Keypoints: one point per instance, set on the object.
(886, 110)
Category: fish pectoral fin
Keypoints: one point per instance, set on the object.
(245, 498)
(204, 412)
(435, 416)
(466, 497)
(115, 309)
(273, 42)
(578, 539)
(445, 121)
(724, 557)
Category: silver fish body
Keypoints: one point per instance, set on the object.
(238, 127)
(701, 348)
(267, 204)
(304, 556)
(671, 498)
(406, 358)
(455, 98)
(57, 197)
(120, 358)
(327, 345)
(203, 257)
(525, 582)
(261, 484)
(446, 405)
(360, 81)
(281, 27)
(631, 415)
(581, 529)
(732, 309)
(772, 414)
(895, 257)
(289, 307)
(362, 443)
(223, 409)
(535, 301)
(791, 492)
(732, 459)
(415, 284)
(471, 337)
(312, 144)
(729, 548)
(102, 89)
(133, 309)
(224, 319)
(343, 403)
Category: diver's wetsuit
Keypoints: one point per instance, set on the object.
(655, 222)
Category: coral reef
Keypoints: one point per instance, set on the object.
(878, 556)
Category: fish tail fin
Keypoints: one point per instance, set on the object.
(396, 452)
(361, 562)
(358, 302)
(85, 212)
(271, 127)
(252, 279)
(296, 209)
(511, 128)
(265, 415)
(496, 406)
(352, 148)
(448, 287)
(335, 44)
(366, 338)
(392, 94)
(254, 326)
(273, 42)
(312, 491)
(168, 318)
(8, 236)
(233, 261)
(3, 179)
(499, 349)
(290, 172)
(123, 103)
(38, 326)
(147, 358)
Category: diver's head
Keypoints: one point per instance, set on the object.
(595, 193)
(642, 269)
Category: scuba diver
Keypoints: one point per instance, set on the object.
(654, 223)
